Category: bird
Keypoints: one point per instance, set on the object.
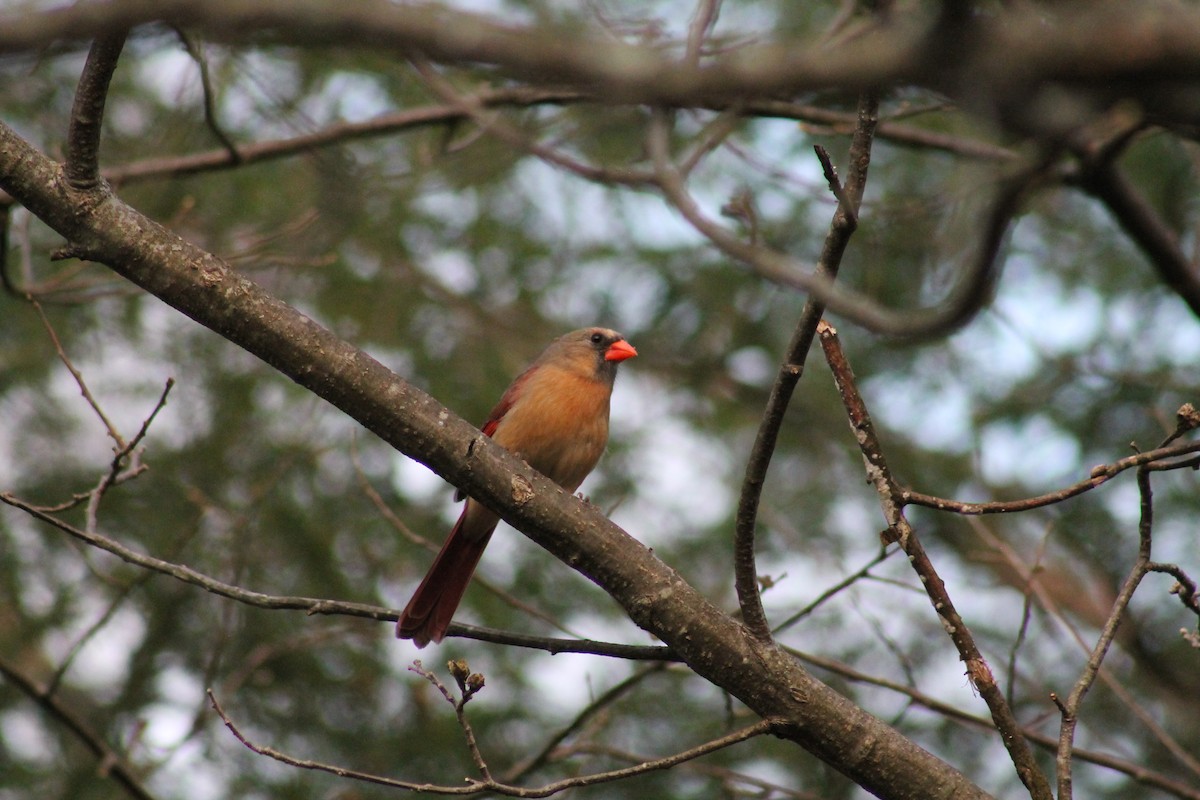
(554, 415)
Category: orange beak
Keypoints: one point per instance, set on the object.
(619, 351)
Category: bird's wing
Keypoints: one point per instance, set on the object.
(510, 397)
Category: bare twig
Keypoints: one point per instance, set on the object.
(515, 96)
(960, 305)
(844, 222)
(1027, 595)
(498, 127)
(1046, 599)
(854, 577)
(77, 375)
(83, 139)
(191, 576)
(1100, 474)
(313, 605)
(125, 463)
(703, 20)
(712, 136)
(591, 710)
(469, 684)
(732, 780)
(77, 646)
(629, 652)
(1184, 588)
(1136, 771)
(477, 786)
(196, 51)
(1070, 708)
(384, 124)
(845, 204)
(1104, 180)
(878, 474)
(111, 763)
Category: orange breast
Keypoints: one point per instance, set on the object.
(559, 425)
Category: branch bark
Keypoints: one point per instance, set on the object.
(87, 112)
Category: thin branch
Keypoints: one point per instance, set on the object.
(845, 204)
(588, 712)
(854, 577)
(83, 139)
(553, 646)
(843, 225)
(712, 136)
(1184, 588)
(1070, 709)
(126, 462)
(1137, 771)
(509, 134)
(420, 541)
(731, 779)
(326, 607)
(703, 20)
(333, 135)
(516, 96)
(965, 299)
(1104, 180)
(878, 474)
(196, 51)
(900, 134)
(470, 684)
(188, 575)
(77, 646)
(1101, 474)
(111, 763)
(479, 786)
(1027, 595)
(1047, 601)
(76, 375)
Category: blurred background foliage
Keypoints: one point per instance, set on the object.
(453, 258)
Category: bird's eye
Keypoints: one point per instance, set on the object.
(597, 338)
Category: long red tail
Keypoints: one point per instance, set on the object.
(432, 606)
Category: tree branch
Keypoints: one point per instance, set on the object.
(1105, 181)
(1014, 55)
(899, 530)
(1070, 708)
(515, 97)
(87, 113)
(842, 226)
(474, 786)
(111, 762)
(1134, 770)
(1101, 474)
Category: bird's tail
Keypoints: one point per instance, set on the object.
(432, 606)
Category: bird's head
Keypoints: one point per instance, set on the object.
(598, 350)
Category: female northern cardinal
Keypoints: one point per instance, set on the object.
(555, 416)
